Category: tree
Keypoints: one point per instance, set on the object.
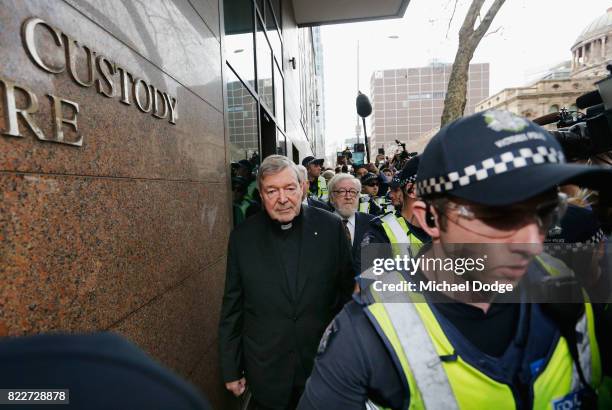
(469, 38)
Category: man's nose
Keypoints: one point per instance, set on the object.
(528, 239)
(282, 198)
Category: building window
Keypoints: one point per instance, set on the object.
(279, 97)
(264, 69)
(242, 119)
(239, 46)
(553, 108)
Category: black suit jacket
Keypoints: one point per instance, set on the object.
(264, 331)
(362, 224)
(316, 203)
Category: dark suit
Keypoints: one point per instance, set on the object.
(317, 203)
(269, 329)
(362, 224)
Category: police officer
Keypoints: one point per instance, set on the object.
(243, 206)
(369, 200)
(245, 169)
(399, 227)
(394, 195)
(318, 185)
(489, 177)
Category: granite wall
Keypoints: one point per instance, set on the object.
(126, 232)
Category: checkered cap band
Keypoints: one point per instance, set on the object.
(598, 237)
(409, 180)
(560, 247)
(496, 165)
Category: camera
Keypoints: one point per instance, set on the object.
(584, 135)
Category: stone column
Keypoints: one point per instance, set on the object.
(603, 48)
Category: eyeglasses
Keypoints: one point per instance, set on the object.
(503, 222)
(274, 193)
(343, 192)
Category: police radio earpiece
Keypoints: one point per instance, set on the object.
(430, 220)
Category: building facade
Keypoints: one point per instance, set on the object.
(592, 50)
(118, 124)
(407, 103)
(562, 84)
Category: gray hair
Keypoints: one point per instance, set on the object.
(343, 177)
(273, 165)
(302, 172)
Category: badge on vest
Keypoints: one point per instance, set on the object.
(569, 402)
(327, 337)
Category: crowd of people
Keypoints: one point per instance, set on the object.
(302, 325)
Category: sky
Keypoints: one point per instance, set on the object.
(525, 38)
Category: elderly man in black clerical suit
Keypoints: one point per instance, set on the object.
(344, 192)
(288, 274)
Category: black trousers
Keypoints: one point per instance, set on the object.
(296, 393)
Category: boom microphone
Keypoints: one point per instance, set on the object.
(588, 100)
(364, 108)
(547, 119)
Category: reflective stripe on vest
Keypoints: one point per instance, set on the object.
(251, 190)
(468, 387)
(588, 348)
(396, 229)
(322, 189)
(244, 205)
(364, 207)
(398, 233)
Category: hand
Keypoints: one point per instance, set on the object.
(237, 387)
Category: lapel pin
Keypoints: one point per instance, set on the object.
(316, 234)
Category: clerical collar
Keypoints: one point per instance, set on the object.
(286, 226)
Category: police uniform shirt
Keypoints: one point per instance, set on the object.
(313, 189)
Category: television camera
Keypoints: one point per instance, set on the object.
(588, 134)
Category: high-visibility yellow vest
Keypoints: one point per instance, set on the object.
(250, 193)
(455, 384)
(398, 232)
(240, 210)
(322, 193)
(364, 206)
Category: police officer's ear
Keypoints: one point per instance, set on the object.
(410, 191)
(427, 218)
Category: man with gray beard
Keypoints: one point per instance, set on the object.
(344, 192)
